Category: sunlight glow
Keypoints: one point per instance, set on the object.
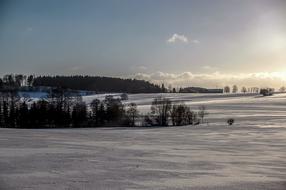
(277, 43)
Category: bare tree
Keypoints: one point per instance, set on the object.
(131, 113)
(243, 89)
(234, 89)
(179, 114)
(19, 80)
(282, 89)
(202, 113)
(161, 108)
(30, 80)
(226, 89)
(169, 88)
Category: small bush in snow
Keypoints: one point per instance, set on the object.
(230, 121)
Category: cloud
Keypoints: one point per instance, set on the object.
(178, 38)
(181, 38)
(216, 79)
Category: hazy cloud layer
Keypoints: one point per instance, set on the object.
(181, 38)
(216, 79)
(178, 38)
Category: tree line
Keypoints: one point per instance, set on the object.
(98, 84)
(61, 110)
(108, 84)
(15, 81)
(235, 89)
(88, 83)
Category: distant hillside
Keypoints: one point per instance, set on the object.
(98, 84)
(200, 90)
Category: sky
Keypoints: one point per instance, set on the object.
(208, 43)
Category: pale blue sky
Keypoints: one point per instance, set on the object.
(125, 37)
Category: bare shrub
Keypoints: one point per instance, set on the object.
(230, 121)
(202, 113)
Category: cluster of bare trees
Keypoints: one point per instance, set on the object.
(15, 81)
(164, 112)
(234, 89)
(62, 110)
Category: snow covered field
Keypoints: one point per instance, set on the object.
(251, 154)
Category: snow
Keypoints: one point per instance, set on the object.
(251, 154)
(250, 109)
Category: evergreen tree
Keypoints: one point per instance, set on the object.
(5, 113)
(23, 116)
(12, 114)
(95, 106)
(114, 109)
(1, 115)
(101, 114)
(79, 115)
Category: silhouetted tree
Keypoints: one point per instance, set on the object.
(191, 117)
(202, 113)
(170, 88)
(9, 80)
(230, 121)
(30, 80)
(282, 89)
(19, 80)
(131, 114)
(243, 89)
(5, 113)
(226, 89)
(161, 108)
(79, 115)
(179, 114)
(101, 114)
(114, 110)
(234, 89)
(1, 115)
(95, 108)
(163, 88)
(13, 98)
(23, 115)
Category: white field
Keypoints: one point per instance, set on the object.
(251, 154)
